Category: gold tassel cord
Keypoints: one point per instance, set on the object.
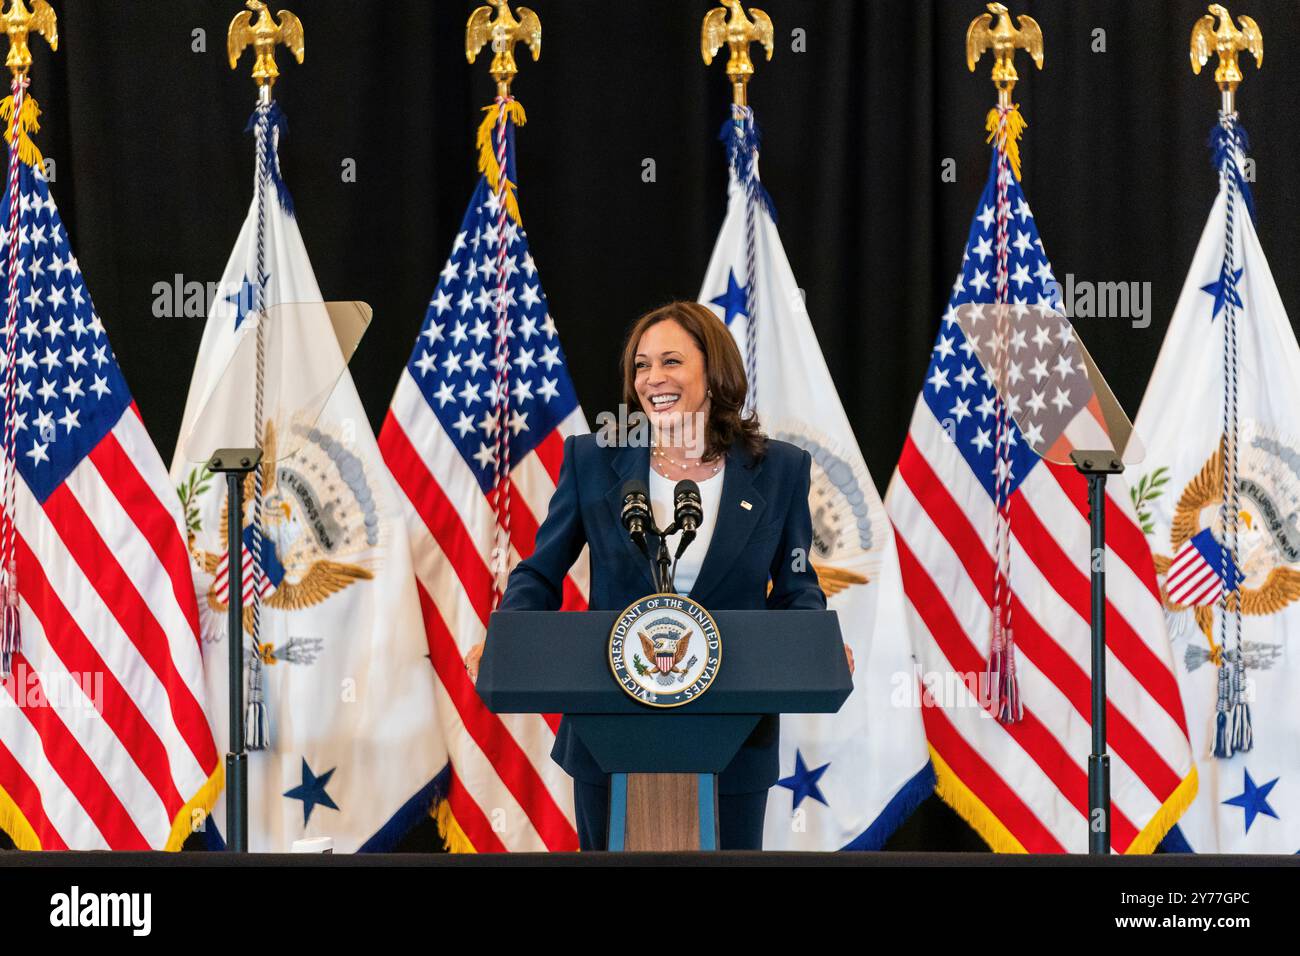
(487, 150)
(28, 122)
(1015, 129)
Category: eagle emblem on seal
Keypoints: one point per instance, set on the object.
(665, 652)
(1268, 520)
(319, 523)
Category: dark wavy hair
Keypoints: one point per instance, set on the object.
(724, 372)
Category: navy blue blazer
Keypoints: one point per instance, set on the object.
(750, 545)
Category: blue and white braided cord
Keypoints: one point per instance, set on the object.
(1234, 731)
(256, 730)
(746, 169)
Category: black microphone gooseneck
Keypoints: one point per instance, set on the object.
(636, 516)
(638, 521)
(688, 513)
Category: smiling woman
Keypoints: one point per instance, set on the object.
(680, 366)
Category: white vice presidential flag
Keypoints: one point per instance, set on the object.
(1248, 802)
(354, 751)
(847, 779)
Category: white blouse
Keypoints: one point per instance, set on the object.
(661, 503)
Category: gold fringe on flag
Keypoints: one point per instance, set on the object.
(1015, 127)
(487, 150)
(20, 830)
(205, 800)
(1000, 840)
(453, 836)
(28, 123)
(1175, 806)
(15, 824)
(971, 808)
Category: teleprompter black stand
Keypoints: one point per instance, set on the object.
(235, 463)
(1095, 466)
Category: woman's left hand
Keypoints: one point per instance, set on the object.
(848, 652)
(472, 660)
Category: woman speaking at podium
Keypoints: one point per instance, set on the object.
(680, 367)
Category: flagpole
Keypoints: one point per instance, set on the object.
(263, 34)
(502, 33)
(1234, 730)
(993, 31)
(737, 33)
(20, 23)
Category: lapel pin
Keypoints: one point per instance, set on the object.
(746, 505)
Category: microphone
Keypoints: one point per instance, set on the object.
(688, 512)
(636, 516)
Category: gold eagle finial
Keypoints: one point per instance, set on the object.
(737, 33)
(20, 21)
(998, 35)
(264, 36)
(503, 33)
(1227, 41)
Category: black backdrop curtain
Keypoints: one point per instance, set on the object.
(154, 174)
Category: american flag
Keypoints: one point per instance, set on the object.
(104, 744)
(221, 581)
(1196, 576)
(439, 441)
(1023, 785)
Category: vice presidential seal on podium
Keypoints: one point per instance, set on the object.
(665, 650)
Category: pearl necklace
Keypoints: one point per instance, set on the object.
(684, 466)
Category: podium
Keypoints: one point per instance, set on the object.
(663, 763)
